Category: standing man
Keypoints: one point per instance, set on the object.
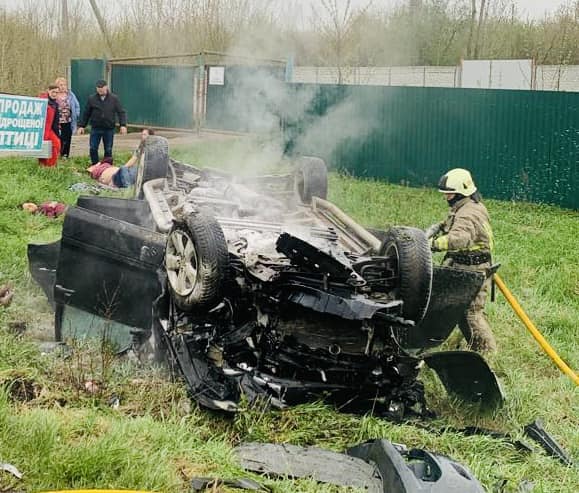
(101, 111)
(467, 238)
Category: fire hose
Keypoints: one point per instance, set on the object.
(545, 346)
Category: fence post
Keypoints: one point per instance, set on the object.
(201, 93)
(289, 68)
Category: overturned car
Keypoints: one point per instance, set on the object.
(259, 286)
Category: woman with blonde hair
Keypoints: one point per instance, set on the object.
(69, 110)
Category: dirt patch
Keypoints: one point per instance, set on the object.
(20, 387)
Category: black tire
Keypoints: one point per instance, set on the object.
(154, 162)
(311, 179)
(196, 262)
(412, 251)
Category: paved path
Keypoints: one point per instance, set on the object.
(129, 142)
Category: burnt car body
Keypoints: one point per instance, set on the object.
(258, 286)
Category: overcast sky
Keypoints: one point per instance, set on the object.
(531, 8)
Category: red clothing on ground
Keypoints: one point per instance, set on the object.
(96, 170)
(51, 209)
(49, 134)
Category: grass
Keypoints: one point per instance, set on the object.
(61, 436)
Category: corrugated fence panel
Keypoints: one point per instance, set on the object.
(519, 145)
(83, 76)
(247, 101)
(157, 96)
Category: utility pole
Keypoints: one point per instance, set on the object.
(64, 19)
(103, 29)
(65, 34)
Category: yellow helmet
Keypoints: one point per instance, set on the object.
(457, 180)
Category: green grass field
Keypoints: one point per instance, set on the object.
(61, 436)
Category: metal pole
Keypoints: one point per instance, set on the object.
(65, 17)
(65, 33)
(101, 23)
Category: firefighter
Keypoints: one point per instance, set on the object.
(467, 238)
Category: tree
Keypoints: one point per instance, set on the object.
(335, 24)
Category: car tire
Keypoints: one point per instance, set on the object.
(196, 262)
(154, 162)
(311, 179)
(414, 258)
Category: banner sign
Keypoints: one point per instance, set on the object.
(21, 123)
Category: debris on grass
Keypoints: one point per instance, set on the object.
(6, 295)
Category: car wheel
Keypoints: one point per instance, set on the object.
(154, 162)
(196, 261)
(410, 248)
(311, 179)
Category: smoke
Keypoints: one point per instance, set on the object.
(260, 100)
(351, 118)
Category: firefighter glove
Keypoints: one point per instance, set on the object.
(439, 244)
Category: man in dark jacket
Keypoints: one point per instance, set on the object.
(101, 111)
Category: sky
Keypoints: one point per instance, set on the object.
(534, 9)
(537, 8)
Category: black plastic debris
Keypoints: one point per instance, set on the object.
(537, 432)
(467, 375)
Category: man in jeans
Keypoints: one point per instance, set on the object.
(101, 111)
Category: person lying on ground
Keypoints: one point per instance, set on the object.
(120, 177)
(113, 176)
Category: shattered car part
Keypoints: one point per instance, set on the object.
(477, 430)
(376, 466)
(537, 432)
(416, 470)
(324, 466)
(11, 469)
(465, 373)
(259, 286)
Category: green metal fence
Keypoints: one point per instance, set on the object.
(156, 95)
(83, 76)
(247, 101)
(519, 145)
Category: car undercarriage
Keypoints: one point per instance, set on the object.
(259, 287)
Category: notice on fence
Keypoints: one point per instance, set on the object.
(21, 123)
(216, 76)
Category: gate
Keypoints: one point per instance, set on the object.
(83, 76)
(156, 95)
